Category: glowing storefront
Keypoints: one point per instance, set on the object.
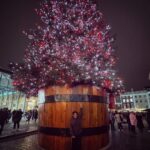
(11, 98)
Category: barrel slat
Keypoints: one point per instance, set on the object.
(86, 118)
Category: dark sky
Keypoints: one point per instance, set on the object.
(130, 21)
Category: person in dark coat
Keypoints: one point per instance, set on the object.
(112, 120)
(28, 115)
(128, 121)
(76, 129)
(3, 118)
(140, 124)
(16, 117)
(148, 120)
(35, 115)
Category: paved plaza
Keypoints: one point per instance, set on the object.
(24, 128)
(119, 141)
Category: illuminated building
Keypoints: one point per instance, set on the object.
(10, 98)
(136, 100)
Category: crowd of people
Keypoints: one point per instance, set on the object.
(31, 114)
(133, 119)
(16, 115)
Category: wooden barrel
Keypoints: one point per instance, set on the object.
(55, 113)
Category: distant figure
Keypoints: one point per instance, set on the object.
(3, 118)
(76, 129)
(128, 121)
(119, 120)
(133, 121)
(140, 124)
(148, 120)
(35, 114)
(16, 117)
(112, 120)
(28, 115)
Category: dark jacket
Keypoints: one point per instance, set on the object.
(76, 125)
(17, 115)
(148, 116)
(140, 124)
(3, 116)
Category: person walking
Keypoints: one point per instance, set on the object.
(140, 124)
(128, 121)
(28, 115)
(76, 129)
(35, 115)
(148, 120)
(17, 115)
(112, 120)
(133, 122)
(118, 120)
(3, 118)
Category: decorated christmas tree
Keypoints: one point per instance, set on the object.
(72, 45)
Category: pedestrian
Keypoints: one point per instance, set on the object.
(140, 124)
(112, 120)
(3, 118)
(35, 115)
(76, 129)
(17, 115)
(128, 121)
(9, 115)
(28, 116)
(148, 120)
(118, 120)
(133, 122)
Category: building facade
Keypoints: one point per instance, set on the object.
(10, 98)
(136, 100)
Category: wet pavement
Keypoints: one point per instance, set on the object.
(24, 127)
(127, 141)
(27, 143)
(120, 141)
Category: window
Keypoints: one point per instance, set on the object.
(140, 96)
(124, 100)
(136, 101)
(140, 101)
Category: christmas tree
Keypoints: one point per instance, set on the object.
(72, 45)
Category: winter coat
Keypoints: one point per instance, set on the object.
(17, 115)
(76, 125)
(118, 118)
(133, 119)
(3, 116)
(140, 124)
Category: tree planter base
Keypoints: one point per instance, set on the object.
(56, 111)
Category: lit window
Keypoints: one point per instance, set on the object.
(124, 100)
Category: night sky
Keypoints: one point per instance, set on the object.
(130, 21)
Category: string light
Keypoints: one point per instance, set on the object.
(73, 45)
